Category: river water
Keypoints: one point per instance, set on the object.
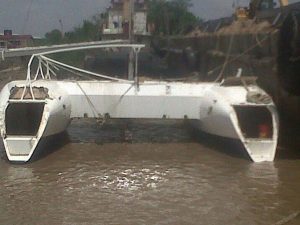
(167, 174)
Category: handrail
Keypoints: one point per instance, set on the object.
(47, 62)
(40, 49)
(134, 46)
(81, 70)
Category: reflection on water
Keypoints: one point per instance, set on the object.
(163, 177)
(130, 179)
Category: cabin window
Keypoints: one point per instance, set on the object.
(255, 121)
(23, 118)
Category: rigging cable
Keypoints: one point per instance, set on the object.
(226, 62)
(27, 16)
(243, 53)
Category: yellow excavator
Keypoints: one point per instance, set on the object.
(288, 25)
(243, 13)
(259, 5)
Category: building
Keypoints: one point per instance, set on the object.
(10, 40)
(119, 16)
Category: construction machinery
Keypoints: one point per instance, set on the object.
(249, 12)
(284, 20)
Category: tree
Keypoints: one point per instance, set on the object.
(171, 17)
(54, 37)
(89, 31)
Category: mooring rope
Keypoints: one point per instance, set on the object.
(288, 218)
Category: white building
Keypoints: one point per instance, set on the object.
(119, 16)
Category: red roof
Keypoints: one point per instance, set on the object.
(121, 1)
(15, 37)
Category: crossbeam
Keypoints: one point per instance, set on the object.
(18, 52)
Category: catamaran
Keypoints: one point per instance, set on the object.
(41, 106)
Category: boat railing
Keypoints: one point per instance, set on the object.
(48, 67)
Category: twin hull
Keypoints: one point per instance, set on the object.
(218, 110)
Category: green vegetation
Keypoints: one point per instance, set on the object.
(167, 17)
(90, 30)
(54, 37)
(171, 17)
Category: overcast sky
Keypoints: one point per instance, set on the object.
(37, 17)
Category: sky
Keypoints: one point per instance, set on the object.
(37, 17)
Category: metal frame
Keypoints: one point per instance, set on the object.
(27, 51)
(47, 63)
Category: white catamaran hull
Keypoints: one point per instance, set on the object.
(228, 113)
(25, 122)
(219, 110)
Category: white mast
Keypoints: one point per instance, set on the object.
(131, 40)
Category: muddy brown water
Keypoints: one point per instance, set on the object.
(166, 175)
